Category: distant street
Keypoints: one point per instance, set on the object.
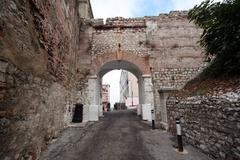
(120, 135)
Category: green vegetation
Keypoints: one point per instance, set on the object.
(220, 22)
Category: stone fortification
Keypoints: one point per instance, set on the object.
(168, 43)
(49, 49)
(209, 115)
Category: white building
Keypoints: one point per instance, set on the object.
(129, 89)
(105, 96)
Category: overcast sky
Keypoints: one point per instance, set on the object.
(138, 8)
(133, 8)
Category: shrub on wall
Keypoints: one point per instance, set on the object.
(221, 34)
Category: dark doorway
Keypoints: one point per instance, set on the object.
(78, 113)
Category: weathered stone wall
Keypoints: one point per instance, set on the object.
(40, 67)
(169, 79)
(168, 43)
(176, 56)
(209, 122)
(48, 51)
(31, 113)
(119, 31)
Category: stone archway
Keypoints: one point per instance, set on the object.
(100, 60)
(139, 66)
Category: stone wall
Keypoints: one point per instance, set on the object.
(174, 78)
(32, 112)
(210, 122)
(175, 57)
(106, 38)
(48, 51)
(169, 79)
(41, 76)
(168, 43)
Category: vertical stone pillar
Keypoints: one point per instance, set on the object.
(141, 95)
(163, 94)
(100, 109)
(148, 100)
(94, 98)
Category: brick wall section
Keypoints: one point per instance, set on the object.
(211, 123)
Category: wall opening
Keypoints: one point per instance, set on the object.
(120, 89)
(144, 88)
(78, 113)
(125, 70)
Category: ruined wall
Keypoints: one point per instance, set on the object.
(168, 43)
(40, 49)
(210, 121)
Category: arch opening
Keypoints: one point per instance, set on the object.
(144, 82)
(118, 65)
(132, 99)
(120, 88)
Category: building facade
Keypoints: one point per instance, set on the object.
(123, 86)
(129, 92)
(106, 97)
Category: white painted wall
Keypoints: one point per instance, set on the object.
(146, 112)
